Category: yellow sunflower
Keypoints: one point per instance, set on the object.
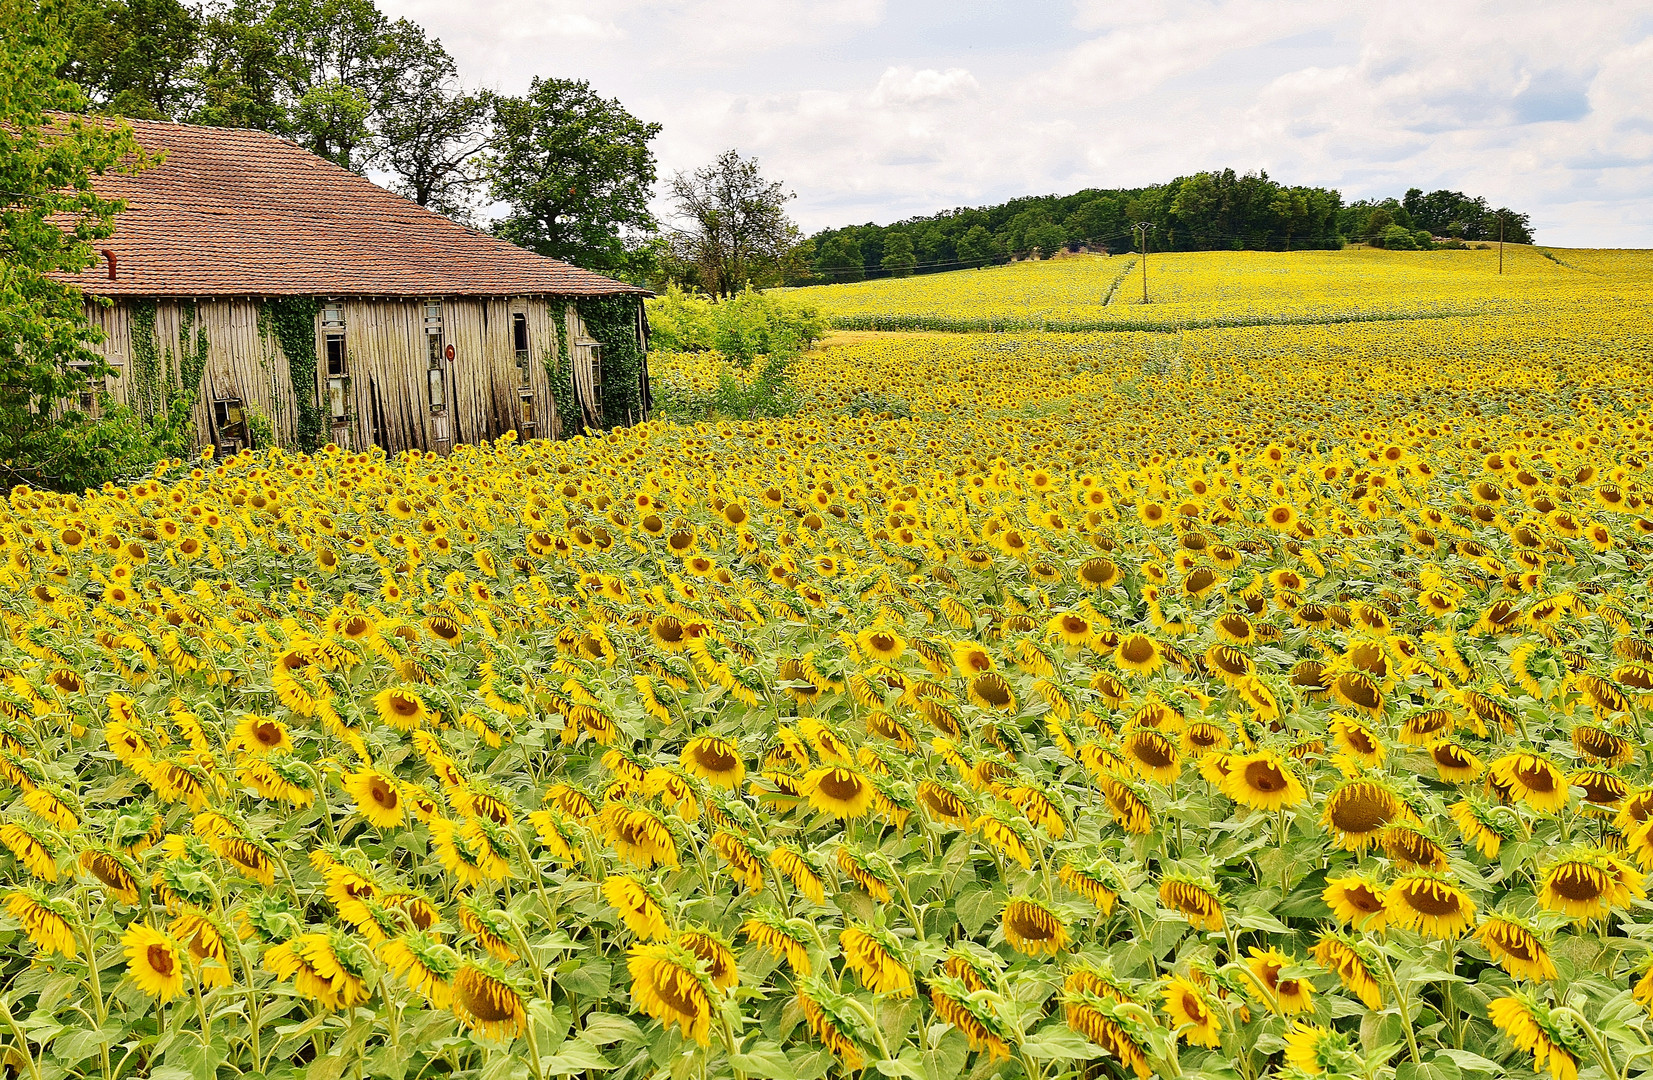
(1032, 928)
(153, 960)
(1194, 1019)
(1516, 947)
(1430, 904)
(1263, 781)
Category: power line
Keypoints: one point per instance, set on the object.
(1142, 229)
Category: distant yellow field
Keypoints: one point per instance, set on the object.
(1201, 288)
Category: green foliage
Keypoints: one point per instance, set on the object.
(612, 320)
(750, 393)
(145, 395)
(291, 320)
(260, 429)
(1452, 213)
(741, 327)
(132, 56)
(52, 222)
(123, 445)
(575, 172)
(898, 256)
(838, 257)
(978, 246)
(559, 370)
(1396, 238)
(740, 233)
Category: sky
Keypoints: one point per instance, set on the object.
(878, 110)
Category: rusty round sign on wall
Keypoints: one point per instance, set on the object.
(448, 352)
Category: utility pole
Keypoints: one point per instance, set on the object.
(1500, 243)
(1142, 229)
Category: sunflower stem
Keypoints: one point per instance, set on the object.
(871, 1017)
(200, 1005)
(528, 952)
(1596, 1040)
(539, 879)
(1044, 868)
(907, 902)
(1449, 958)
(22, 1040)
(95, 983)
(534, 1048)
(728, 1036)
(1404, 1006)
(321, 800)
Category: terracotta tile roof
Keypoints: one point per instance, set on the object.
(234, 212)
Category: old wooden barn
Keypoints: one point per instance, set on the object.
(299, 303)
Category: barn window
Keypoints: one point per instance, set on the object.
(91, 400)
(519, 342)
(230, 418)
(596, 370)
(332, 328)
(433, 357)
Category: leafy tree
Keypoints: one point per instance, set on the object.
(739, 232)
(838, 258)
(978, 246)
(575, 171)
(1396, 237)
(898, 256)
(131, 56)
(52, 221)
(1048, 237)
(1098, 220)
(431, 134)
(338, 59)
(236, 73)
(1452, 213)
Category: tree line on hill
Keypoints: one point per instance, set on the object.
(1205, 212)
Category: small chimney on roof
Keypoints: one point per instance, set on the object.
(109, 256)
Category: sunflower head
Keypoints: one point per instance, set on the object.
(1588, 882)
(1032, 928)
(1429, 903)
(489, 1001)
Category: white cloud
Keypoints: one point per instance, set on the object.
(875, 112)
(904, 86)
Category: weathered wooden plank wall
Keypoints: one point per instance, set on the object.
(388, 400)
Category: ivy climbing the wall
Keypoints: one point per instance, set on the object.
(145, 396)
(559, 369)
(612, 320)
(291, 320)
(193, 346)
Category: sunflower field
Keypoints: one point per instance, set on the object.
(1228, 701)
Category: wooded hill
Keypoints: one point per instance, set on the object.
(1204, 212)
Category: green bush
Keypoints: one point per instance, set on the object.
(1396, 238)
(119, 446)
(764, 392)
(743, 327)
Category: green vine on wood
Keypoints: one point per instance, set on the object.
(145, 397)
(612, 320)
(292, 322)
(192, 361)
(559, 369)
